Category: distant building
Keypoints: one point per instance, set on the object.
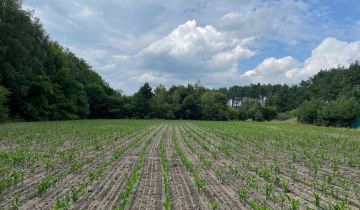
(235, 102)
(262, 100)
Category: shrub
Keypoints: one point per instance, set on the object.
(233, 113)
(243, 114)
(283, 116)
(258, 116)
(170, 115)
(340, 112)
(268, 112)
(308, 111)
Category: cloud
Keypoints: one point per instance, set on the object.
(192, 48)
(330, 53)
(223, 59)
(283, 21)
(272, 70)
(129, 42)
(188, 53)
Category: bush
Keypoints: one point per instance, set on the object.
(222, 115)
(258, 116)
(268, 112)
(243, 114)
(233, 113)
(170, 115)
(294, 113)
(307, 112)
(283, 116)
(341, 112)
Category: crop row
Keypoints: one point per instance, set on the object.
(81, 188)
(272, 173)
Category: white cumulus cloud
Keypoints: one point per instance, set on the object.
(330, 53)
(190, 47)
(272, 70)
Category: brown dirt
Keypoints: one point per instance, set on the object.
(104, 194)
(182, 189)
(223, 195)
(47, 200)
(148, 194)
(300, 189)
(26, 190)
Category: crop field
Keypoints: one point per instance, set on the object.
(155, 164)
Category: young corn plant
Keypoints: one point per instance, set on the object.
(48, 181)
(16, 203)
(74, 194)
(220, 176)
(294, 204)
(132, 180)
(199, 183)
(317, 200)
(243, 194)
(164, 173)
(269, 191)
(283, 199)
(214, 205)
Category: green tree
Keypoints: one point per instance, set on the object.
(233, 113)
(3, 99)
(160, 103)
(268, 113)
(308, 111)
(141, 101)
(340, 112)
(213, 105)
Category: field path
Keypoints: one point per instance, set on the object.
(47, 201)
(222, 195)
(182, 189)
(298, 190)
(148, 194)
(105, 192)
(27, 189)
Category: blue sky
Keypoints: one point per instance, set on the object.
(220, 43)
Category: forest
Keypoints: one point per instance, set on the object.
(41, 80)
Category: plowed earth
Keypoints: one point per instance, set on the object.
(103, 192)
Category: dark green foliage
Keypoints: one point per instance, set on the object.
(170, 115)
(257, 115)
(243, 114)
(44, 80)
(268, 113)
(234, 113)
(213, 105)
(141, 102)
(283, 116)
(340, 112)
(3, 99)
(252, 109)
(160, 104)
(308, 111)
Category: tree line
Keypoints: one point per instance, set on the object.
(40, 80)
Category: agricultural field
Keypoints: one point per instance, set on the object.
(156, 164)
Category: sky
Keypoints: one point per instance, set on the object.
(221, 43)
